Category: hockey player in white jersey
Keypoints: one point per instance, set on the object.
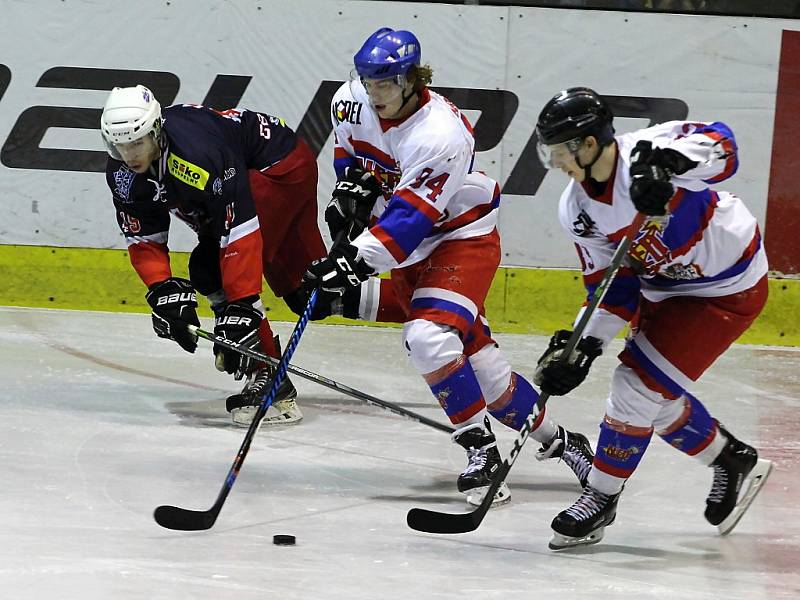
(695, 279)
(434, 227)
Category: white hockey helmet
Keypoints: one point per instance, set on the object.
(130, 114)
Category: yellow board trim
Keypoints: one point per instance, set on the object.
(521, 300)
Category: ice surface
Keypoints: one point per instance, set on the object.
(100, 422)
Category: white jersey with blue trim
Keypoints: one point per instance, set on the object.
(424, 162)
(707, 245)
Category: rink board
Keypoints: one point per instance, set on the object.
(499, 64)
(521, 300)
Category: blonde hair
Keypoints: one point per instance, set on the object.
(422, 76)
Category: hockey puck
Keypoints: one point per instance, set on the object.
(283, 540)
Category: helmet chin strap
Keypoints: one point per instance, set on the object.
(406, 98)
(161, 161)
(587, 168)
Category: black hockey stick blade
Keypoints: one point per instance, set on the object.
(431, 521)
(182, 519)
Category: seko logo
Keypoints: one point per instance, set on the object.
(187, 172)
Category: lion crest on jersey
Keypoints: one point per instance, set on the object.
(123, 180)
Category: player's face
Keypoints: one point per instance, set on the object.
(139, 154)
(386, 96)
(564, 157)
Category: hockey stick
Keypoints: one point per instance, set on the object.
(173, 517)
(328, 383)
(438, 522)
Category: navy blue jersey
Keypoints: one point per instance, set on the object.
(208, 157)
(202, 178)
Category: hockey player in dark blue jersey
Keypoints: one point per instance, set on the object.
(246, 184)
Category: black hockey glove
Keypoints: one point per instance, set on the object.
(352, 202)
(328, 303)
(238, 321)
(339, 271)
(651, 170)
(556, 377)
(174, 304)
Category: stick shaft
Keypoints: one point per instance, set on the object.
(179, 518)
(321, 380)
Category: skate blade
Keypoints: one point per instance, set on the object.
(755, 481)
(476, 495)
(285, 413)
(243, 416)
(562, 542)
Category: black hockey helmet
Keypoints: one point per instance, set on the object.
(577, 112)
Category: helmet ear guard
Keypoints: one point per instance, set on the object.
(129, 114)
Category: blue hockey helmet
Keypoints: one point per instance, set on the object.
(387, 53)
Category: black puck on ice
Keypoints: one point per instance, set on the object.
(283, 540)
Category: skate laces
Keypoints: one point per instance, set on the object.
(589, 504)
(261, 379)
(476, 458)
(576, 460)
(719, 486)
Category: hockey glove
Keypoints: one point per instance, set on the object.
(352, 202)
(651, 170)
(340, 270)
(556, 377)
(238, 322)
(174, 304)
(328, 303)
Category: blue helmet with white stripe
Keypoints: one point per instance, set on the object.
(387, 53)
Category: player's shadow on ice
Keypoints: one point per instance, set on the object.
(205, 413)
(442, 490)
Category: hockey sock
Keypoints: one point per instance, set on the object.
(217, 300)
(620, 447)
(456, 388)
(516, 403)
(694, 432)
(267, 339)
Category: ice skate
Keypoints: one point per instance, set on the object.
(484, 459)
(585, 521)
(573, 448)
(244, 405)
(738, 476)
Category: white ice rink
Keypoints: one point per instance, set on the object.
(100, 422)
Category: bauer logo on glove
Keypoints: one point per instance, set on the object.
(174, 302)
(233, 320)
(175, 298)
(238, 322)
